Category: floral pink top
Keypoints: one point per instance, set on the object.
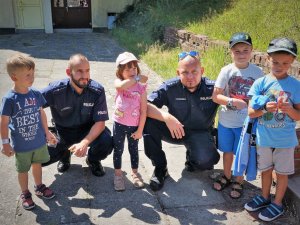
(128, 105)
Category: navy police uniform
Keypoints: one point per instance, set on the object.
(196, 111)
(74, 114)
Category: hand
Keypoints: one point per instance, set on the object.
(174, 126)
(51, 138)
(79, 149)
(137, 135)
(239, 103)
(284, 106)
(7, 150)
(271, 107)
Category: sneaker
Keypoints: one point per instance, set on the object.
(43, 191)
(119, 183)
(271, 212)
(96, 167)
(137, 180)
(257, 203)
(158, 178)
(65, 162)
(27, 202)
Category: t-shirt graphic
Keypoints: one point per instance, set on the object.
(239, 87)
(26, 128)
(128, 105)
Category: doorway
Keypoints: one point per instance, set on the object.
(71, 13)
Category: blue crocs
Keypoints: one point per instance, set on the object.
(257, 203)
(271, 212)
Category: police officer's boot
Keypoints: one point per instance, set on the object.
(65, 162)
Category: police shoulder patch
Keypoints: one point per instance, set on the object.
(209, 81)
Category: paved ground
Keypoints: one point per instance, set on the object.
(81, 198)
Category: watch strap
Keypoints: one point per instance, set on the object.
(5, 141)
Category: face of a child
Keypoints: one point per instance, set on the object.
(80, 73)
(130, 70)
(23, 77)
(280, 64)
(241, 54)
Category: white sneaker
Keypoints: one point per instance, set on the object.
(119, 183)
(137, 180)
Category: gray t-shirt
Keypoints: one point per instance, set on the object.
(236, 84)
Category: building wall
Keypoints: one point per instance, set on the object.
(7, 14)
(100, 8)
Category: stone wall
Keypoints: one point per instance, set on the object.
(189, 41)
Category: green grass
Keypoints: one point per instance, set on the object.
(140, 30)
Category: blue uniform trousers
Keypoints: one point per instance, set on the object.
(200, 145)
(100, 148)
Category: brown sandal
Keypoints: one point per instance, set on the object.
(223, 181)
(238, 188)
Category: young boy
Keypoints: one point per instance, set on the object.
(21, 112)
(276, 136)
(231, 88)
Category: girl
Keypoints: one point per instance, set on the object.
(129, 116)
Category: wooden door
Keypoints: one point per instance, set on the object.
(71, 13)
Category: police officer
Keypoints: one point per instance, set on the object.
(79, 111)
(189, 120)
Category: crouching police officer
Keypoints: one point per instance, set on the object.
(79, 111)
(189, 120)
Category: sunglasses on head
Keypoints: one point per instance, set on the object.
(182, 55)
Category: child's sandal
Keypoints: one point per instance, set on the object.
(223, 181)
(238, 189)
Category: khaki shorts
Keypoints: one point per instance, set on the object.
(281, 159)
(25, 159)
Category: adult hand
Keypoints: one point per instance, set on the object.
(7, 150)
(174, 126)
(79, 149)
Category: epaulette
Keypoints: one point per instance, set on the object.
(209, 81)
(172, 82)
(95, 87)
(59, 84)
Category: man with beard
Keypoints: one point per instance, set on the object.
(79, 111)
(189, 120)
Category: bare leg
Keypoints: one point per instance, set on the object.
(23, 181)
(266, 181)
(282, 183)
(37, 173)
(227, 163)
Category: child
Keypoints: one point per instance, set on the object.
(129, 116)
(231, 88)
(22, 113)
(276, 136)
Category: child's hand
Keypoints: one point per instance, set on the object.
(7, 150)
(271, 106)
(283, 105)
(143, 78)
(51, 138)
(137, 135)
(239, 103)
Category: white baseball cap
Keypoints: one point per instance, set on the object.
(124, 58)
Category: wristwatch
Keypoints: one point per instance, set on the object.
(264, 109)
(137, 78)
(5, 141)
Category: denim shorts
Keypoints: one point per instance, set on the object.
(281, 159)
(228, 138)
(25, 159)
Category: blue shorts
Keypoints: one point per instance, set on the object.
(228, 138)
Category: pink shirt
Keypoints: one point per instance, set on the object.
(128, 105)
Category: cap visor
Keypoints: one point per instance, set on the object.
(281, 50)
